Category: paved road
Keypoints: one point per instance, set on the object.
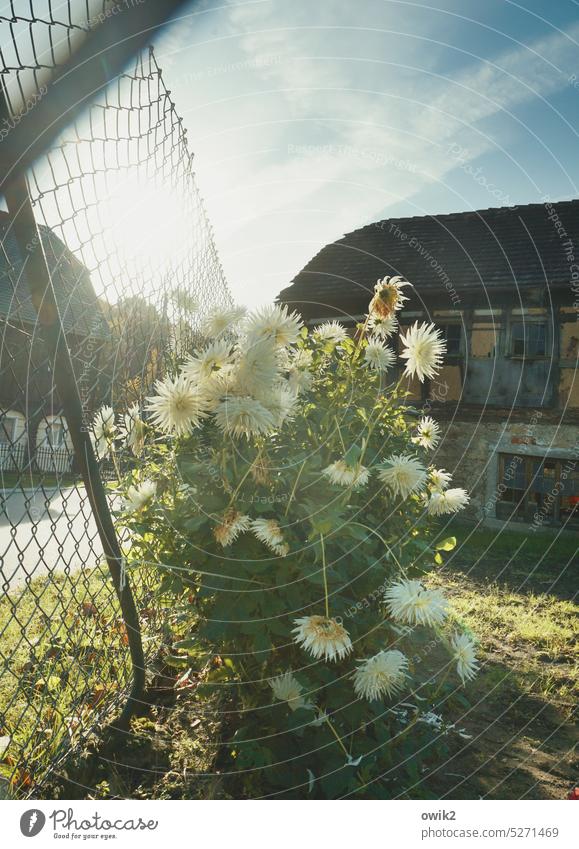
(54, 529)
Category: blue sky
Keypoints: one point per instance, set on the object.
(309, 119)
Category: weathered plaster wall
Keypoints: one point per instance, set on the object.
(470, 449)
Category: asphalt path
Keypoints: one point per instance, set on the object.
(42, 532)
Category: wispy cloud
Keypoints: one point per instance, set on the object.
(348, 117)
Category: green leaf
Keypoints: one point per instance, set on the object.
(438, 559)
(446, 545)
(352, 455)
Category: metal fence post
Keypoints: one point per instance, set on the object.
(15, 191)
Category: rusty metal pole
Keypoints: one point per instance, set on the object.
(23, 223)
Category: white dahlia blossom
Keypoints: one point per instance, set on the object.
(274, 323)
(139, 496)
(222, 320)
(323, 637)
(331, 331)
(203, 364)
(423, 350)
(378, 356)
(408, 601)
(403, 475)
(388, 297)
(104, 431)
(288, 689)
(447, 501)
(178, 406)
(465, 656)
(341, 474)
(428, 435)
(134, 430)
(381, 675)
(257, 368)
(270, 534)
(231, 524)
(383, 327)
(439, 479)
(243, 417)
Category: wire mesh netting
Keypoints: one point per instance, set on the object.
(134, 268)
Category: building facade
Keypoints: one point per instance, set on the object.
(33, 432)
(503, 285)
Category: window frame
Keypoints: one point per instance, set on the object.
(5, 437)
(442, 324)
(525, 509)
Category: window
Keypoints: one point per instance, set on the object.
(55, 434)
(528, 339)
(539, 490)
(8, 430)
(453, 335)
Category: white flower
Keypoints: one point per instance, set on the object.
(218, 386)
(243, 417)
(322, 637)
(341, 474)
(439, 479)
(428, 433)
(378, 356)
(387, 298)
(424, 350)
(220, 321)
(331, 331)
(140, 495)
(410, 602)
(134, 430)
(447, 501)
(275, 323)
(404, 475)
(230, 526)
(104, 431)
(383, 327)
(464, 653)
(257, 369)
(383, 674)
(281, 401)
(205, 363)
(287, 689)
(300, 380)
(302, 359)
(269, 532)
(178, 407)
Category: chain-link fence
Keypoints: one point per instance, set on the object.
(133, 264)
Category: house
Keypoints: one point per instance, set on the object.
(503, 285)
(33, 432)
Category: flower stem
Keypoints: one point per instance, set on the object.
(325, 575)
(293, 492)
(337, 736)
(383, 541)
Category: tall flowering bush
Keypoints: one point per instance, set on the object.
(286, 497)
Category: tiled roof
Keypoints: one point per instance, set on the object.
(492, 249)
(78, 304)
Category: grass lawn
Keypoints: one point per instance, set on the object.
(514, 591)
(63, 655)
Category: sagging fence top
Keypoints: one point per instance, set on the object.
(134, 267)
